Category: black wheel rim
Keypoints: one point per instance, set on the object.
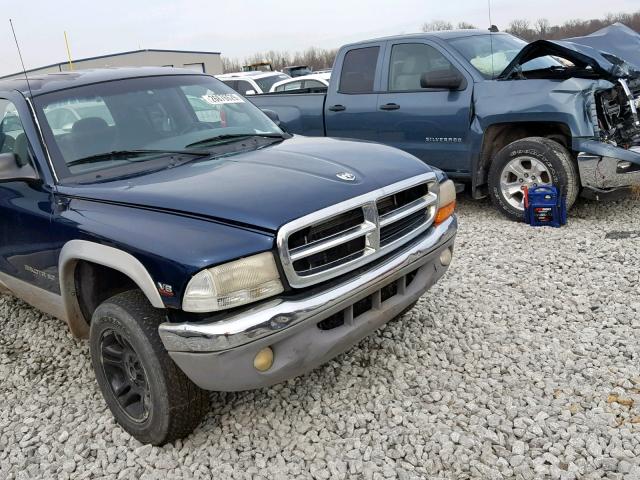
(125, 375)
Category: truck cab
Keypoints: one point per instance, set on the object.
(383, 78)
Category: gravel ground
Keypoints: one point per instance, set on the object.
(523, 362)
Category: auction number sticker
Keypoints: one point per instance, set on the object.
(222, 98)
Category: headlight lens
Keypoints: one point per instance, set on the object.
(232, 284)
(446, 201)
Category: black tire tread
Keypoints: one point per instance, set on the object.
(562, 156)
(188, 403)
(570, 168)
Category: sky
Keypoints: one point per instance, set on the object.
(239, 28)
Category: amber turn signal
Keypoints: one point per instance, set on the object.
(445, 212)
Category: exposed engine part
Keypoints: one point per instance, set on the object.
(633, 102)
(618, 113)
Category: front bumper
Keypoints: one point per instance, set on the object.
(607, 171)
(219, 355)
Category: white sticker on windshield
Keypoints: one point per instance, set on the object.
(222, 99)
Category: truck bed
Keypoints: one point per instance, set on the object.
(302, 113)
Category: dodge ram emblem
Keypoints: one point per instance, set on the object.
(346, 176)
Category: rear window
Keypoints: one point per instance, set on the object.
(359, 70)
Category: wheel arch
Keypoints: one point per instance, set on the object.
(498, 135)
(76, 251)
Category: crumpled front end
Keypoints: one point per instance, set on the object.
(617, 113)
(609, 154)
(610, 162)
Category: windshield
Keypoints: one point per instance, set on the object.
(490, 54)
(266, 83)
(103, 126)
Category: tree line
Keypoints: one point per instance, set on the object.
(316, 58)
(542, 28)
(320, 58)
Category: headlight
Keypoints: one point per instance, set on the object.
(446, 201)
(232, 284)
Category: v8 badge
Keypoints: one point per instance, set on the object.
(165, 289)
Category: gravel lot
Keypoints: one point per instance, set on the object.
(523, 362)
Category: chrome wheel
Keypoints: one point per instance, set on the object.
(126, 375)
(521, 172)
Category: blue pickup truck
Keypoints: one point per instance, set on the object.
(488, 109)
(198, 246)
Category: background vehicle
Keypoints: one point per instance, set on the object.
(258, 67)
(252, 83)
(62, 117)
(314, 80)
(195, 244)
(297, 70)
(488, 111)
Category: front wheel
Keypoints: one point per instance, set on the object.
(531, 162)
(149, 396)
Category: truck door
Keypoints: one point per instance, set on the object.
(430, 123)
(352, 96)
(26, 252)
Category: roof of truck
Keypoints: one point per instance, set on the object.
(51, 82)
(249, 74)
(442, 34)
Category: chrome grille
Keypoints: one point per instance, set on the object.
(340, 238)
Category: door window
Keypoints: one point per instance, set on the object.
(243, 87)
(292, 86)
(12, 136)
(359, 70)
(409, 61)
(313, 84)
(231, 84)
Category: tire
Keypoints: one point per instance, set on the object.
(550, 161)
(155, 401)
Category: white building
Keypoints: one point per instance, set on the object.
(208, 62)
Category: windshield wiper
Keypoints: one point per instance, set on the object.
(234, 136)
(127, 154)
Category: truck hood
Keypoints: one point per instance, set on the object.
(264, 188)
(612, 52)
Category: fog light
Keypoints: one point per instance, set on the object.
(263, 360)
(445, 257)
(624, 165)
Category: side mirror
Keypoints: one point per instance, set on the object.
(250, 92)
(273, 116)
(10, 169)
(444, 80)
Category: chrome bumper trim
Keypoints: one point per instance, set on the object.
(602, 172)
(276, 315)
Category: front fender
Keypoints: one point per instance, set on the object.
(148, 246)
(518, 101)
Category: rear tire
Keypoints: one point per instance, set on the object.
(544, 160)
(149, 396)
